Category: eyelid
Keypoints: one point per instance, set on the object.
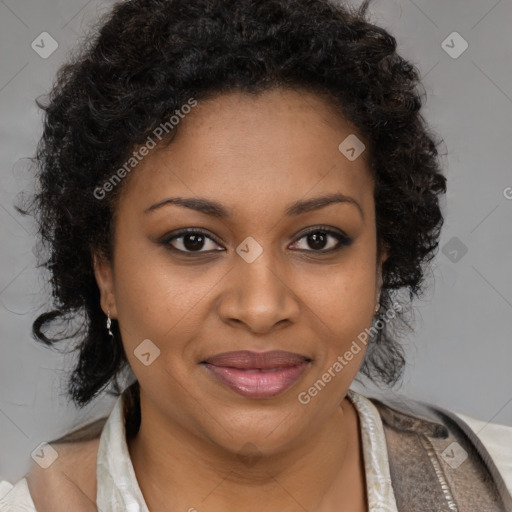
(326, 229)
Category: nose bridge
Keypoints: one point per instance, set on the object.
(260, 295)
(258, 269)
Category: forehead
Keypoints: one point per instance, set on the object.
(247, 150)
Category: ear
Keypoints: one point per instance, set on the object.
(105, 281)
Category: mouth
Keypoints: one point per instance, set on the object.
(257, 374)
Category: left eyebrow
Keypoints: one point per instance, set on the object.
(215, 209)
(320, 202)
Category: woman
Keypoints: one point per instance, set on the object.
(233, 194)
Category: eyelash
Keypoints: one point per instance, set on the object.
(343, 240)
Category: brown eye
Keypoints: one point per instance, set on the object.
(317, 240)
(195, 240)
(191, 240)
(324, 240)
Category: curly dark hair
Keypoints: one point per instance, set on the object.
(145, 60)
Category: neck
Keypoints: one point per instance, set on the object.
(174, 466)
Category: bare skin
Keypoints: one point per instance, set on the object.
(256, 155)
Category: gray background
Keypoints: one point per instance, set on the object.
(461, 352)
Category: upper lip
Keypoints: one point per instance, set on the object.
(245, 359)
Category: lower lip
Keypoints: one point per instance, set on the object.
(258, 383)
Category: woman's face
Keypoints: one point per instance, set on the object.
(253, 279)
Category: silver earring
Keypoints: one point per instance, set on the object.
(109, 323)
(377, 307)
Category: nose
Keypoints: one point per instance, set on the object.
(260, 295)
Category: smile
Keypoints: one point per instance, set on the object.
(258, 383)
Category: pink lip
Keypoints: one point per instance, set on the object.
(257, 375)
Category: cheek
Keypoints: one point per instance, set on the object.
(344, 294)
(155, 302)
(343, 303)
(152, 299)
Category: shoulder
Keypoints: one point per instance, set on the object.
(497, 440)
(15, 497)
(491, 442)
(69, 483)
